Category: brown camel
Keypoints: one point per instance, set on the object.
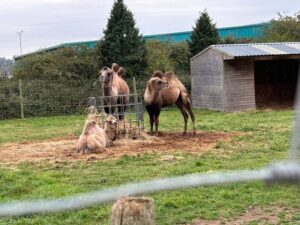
(115, 89)
(164, 90)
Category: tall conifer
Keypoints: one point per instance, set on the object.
(204, 34)
(122, 42)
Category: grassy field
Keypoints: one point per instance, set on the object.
(263, 138)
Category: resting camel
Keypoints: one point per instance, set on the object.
(115, 89)
(94, 137)
(164, 90)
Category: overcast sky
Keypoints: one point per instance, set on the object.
(50, 22)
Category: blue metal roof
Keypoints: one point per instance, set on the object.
(256, 49)
(246, 31)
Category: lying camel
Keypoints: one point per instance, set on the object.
(94, 137)
(164, 90)
(115, 89)
(111, 128)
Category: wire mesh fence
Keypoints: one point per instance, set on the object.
(127, 109)
(44, 97)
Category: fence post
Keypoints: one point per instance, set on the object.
(133, 211)
(137, 110)
(21, 99)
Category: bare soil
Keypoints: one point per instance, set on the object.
(63, 149)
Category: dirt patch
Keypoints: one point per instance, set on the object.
(64, 149)
(258, 215)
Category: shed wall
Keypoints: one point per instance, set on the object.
(239, 85)
(207, 80)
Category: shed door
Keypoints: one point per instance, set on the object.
(275, 83)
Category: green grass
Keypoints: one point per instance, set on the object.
(264, 138)
(40, 128)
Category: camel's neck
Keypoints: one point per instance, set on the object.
(108, 88)
(110, 133)
(153, 96)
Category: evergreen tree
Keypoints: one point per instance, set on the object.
(204, 34)
(122, 42)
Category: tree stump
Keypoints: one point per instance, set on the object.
(133, 211)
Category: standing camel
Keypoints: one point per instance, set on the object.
(115, 89)
(165, 90)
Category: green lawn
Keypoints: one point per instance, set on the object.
(264, 138)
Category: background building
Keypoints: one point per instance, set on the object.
(246, 31)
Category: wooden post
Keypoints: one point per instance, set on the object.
(134, 86)
(133, 211)
(21, 99)
(137, 109)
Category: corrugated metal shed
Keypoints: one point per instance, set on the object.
(238, 77)
(256, 49)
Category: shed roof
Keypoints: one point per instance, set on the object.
(255, 49)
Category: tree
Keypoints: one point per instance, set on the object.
(122, 42)
(283, 28)
(204, 34)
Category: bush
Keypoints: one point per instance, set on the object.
(9, 99)
(168, 56)
(158, 57)
(65, 63)
(231, 40)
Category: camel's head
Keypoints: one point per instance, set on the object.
(111, 121)
(106, 75)
(157, 84)
(158, 74)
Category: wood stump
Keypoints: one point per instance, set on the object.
(133, 211)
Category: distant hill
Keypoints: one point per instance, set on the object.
(6, 67)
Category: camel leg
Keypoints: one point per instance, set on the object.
(151, 122)
(122, 108)
(156, 124)
(184, 114)
(188, 107)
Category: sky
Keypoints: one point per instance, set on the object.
(46, 23)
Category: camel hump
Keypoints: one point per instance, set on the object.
(170, 75)
(121, 72)
(173, 80)
(158, 74)
(115, 67)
